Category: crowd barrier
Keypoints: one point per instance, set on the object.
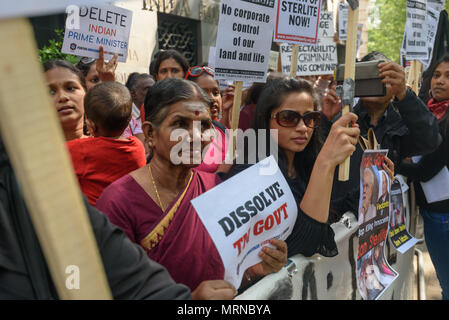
(321, 278)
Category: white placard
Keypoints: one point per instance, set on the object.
(243, 41)
(432, 19)
(436, 5)
(104, 25)
(297, 21)
(142, 40)
(30, 8)
(343, 12)
(256, 208)
(437, 188)
(416, 29)
(312, 60)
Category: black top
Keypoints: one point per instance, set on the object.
(407, 128)
(308, 236)
(427, 168)
(24, 273)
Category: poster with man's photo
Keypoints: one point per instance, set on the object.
(374, 275)
(399, 235)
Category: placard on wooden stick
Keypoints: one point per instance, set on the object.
(351, 52)
(36, 146)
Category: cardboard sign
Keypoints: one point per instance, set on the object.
(416, 29)
(257, 207)
(104, 25)
(374, 274)
(297, 21)
(399, 235)
(243, 45)
(142, 40)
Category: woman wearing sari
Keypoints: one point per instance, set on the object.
(152, 204)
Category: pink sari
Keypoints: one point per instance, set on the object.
(180, 243)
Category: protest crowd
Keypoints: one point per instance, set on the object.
(143, 150)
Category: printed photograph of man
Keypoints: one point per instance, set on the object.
(370, 187)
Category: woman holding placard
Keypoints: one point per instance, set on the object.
(152, 204)
(436, 214)
(290, 107)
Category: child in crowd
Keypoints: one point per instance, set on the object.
(106, 156)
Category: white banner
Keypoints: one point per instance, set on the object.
(257, 207)
(432, 18)
(343, 11)
(88, 27)
(416, 29)
(297, 21)
(436, 5)
(244, 40)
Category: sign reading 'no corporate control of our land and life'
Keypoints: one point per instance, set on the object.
(243, 47)
(297, 21)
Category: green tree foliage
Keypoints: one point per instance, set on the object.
(52, 51)
(386, 27)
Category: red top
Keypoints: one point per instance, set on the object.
(100, 161)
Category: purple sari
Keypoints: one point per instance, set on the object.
(181, 243)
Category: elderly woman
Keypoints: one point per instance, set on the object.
(152, 204)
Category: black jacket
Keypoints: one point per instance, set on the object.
(406, 129)
(24, 273)
(428, 167)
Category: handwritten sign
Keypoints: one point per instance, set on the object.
(297, 21)
(104, 25)
(243, 47)
(257, 208)
(374, 274)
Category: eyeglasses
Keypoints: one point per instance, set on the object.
(290, 118)
(197, 71)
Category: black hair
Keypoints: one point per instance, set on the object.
(272, 97)
(84, 67)
(444, 121)
(134, 78)
(109, 106)
(252, 97)
(167, 92)
(167, 54)
(67, 65)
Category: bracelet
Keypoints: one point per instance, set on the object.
(248, 277)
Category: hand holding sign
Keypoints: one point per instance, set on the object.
(272, 259)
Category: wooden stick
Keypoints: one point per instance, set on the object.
(351, 52)
(294, 61)
(34, 139)
(414, 75)
(238, 87)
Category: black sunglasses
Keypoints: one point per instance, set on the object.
(290, 118)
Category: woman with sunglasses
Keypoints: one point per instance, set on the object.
(290, 106)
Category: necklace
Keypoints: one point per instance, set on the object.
(155, 189)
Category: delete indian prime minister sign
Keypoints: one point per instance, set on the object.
(89, 27)
(257, 207)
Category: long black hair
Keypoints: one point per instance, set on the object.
(272, 97)
(444, 121)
